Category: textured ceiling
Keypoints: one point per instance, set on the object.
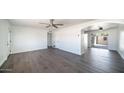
(35, 22)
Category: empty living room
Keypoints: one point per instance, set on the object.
(61, 45)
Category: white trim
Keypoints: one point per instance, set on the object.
(2, 62)
(121, 54)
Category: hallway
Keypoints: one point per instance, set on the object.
(57, 61)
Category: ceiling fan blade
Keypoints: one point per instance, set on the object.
(59, 24)
(44, 23)
(54, 26)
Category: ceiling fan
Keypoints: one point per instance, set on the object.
(52, 24)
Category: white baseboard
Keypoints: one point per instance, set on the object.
(69, 51)
(121, 55)
(16, 52)
(3, 61)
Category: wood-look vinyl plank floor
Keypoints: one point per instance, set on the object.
(51, 60)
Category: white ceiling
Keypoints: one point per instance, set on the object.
(103, 25)
(106, 24)
(35, 22)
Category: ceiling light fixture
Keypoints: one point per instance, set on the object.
(100, 28)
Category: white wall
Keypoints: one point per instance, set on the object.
(27, 39)
(84, 42)
(113, 39)
(121, 41)
(68, 39)
(4, 40)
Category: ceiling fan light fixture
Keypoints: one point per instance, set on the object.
(51, 24)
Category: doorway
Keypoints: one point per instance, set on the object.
(100, 40)
(49, 39)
